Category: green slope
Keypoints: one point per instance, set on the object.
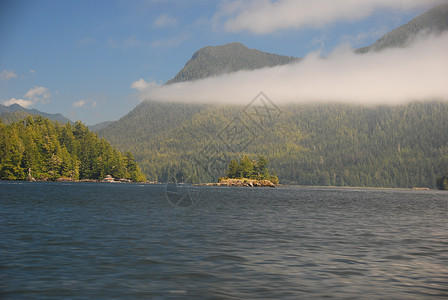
(148, 121)
(435, 21)
(212, 61)
(16, 112)
(52, 150)
(401, 146)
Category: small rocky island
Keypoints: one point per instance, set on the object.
(248, 173)
(243, 182)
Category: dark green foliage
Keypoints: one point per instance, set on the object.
(233, 171)
(53, 151)
(442, 182)
(100, 126)
(246, 167)
(340, 145)
(403, 146)
(252, 169)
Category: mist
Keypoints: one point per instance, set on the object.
(264, 17)
(393, 76)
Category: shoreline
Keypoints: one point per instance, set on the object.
(68, 180)
(246, 185)
(241, 182)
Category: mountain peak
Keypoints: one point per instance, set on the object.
(219, 50)
(434, 20)
(216, 60)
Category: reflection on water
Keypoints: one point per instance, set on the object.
(127, 241)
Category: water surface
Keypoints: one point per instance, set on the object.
(121, 241)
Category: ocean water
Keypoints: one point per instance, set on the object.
(127, 241)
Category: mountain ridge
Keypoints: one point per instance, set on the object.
(309, 144)
(434, 20)
(16, 112)
(325, 144)
(216, 60)
(202, 64)
(227, 58)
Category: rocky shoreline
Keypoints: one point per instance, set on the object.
(244, 182)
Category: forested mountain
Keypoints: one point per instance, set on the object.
(325, 144)
(435, 21)
(148, 121)
(212, 61)
(15, 112)
(342, 145)
(53, 151)
(100, 125)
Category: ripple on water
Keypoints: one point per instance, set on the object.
(125, 241)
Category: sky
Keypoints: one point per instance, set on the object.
(96, 60)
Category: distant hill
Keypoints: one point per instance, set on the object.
(15, 112)
(212, 61)
(147, 120)
(435, 20)
(51, 151)
(100, 125)
(343, 145)
(401, 146)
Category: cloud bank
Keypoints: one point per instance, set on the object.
(267, 16)
(35, 95)
(394, 76)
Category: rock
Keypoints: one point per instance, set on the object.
(243, 182)
(64, 179)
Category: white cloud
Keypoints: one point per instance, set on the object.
(79, 103)
(85, 104)
(267, 16)
(361, 38)
(141, 85)
(6, 75)
(35, 95)
(165, 21)
(21, 102)
(392, 76)
(38, 94)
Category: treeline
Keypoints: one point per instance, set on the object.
(51, 151)
(312, 144)
(251, 169)
(442, 182)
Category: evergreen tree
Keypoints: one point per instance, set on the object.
(246, 167)
(52, 151)
(442, 183)
(260, 168)
(233, 170)
(252, 169)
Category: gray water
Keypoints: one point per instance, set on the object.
(125, 241)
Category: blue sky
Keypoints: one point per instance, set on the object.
(81, 58)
